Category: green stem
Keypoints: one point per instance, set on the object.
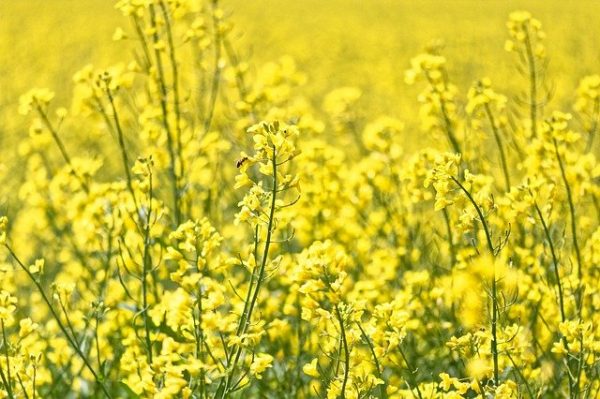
(498, 139)
(346, 351)
(446, 117)
(8, 380)
(59, 322)
(165, 119)
(147, 265)
(571, 207)
(554, 260)
(175, 77)
(488, 236)
(261, 272)
(521, 376)
(33, 381)
(594, 127)
(532, 84)
(214, 89)
(450, 237)
(382, 387)
(61, 147)
(6, 384)
(411, 372)
(121, 138)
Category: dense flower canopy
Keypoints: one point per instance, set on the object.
(232, 239)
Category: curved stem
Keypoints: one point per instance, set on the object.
(175, 77)
(447, 121)
(61, 147)
(224, 389)
(450, 236)
(60, 324)
(214, 89)
(488, 236)
(346, 352)
(563, 175)
(7, 380)
(411, 371)
(165, 120)
(382, 387)
(554, 260)
(121, 138)
(594, 127)
(532, 84)
(147, 265)
(498, 139)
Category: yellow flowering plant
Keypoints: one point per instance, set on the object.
(200, 224)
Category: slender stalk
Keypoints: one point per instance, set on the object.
(199, 343)
(450, 236)
(580, 363)
(298, 380)
(498, 139)
(6, 384)
(8, 380)
(60, 324)
(532, 84)
(147, 265)
(554, 260)
(165, 119)
(214, 88)
(20, 380)
(61, 147)
(69, 324)
(563, 175)
(338, 361)
(175, 78)
(98, 354)
(411, 373)
(250, 284)
(488, 236)
(450, 129)
(447, 122)
(594, 127)
(239, 77)
(346, 351)
(33, 381)
(382, 387)
(267, 242)
(224, 387)
(143, 41)
(521, 376)
(121, 138)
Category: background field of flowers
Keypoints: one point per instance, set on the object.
(340, 199)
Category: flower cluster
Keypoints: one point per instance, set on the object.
(194, 227)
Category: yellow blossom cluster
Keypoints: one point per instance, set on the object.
(225, 236)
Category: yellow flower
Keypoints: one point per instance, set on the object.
(446, 382)
(479, 368)
(310, 369)
(37, 267)
(260, 364)
(3, 225)
(26, 326)
(119, 34)
(34, 98)
(7, 305)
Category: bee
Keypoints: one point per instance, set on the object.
(240, 162)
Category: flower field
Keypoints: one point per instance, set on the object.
(299, 199)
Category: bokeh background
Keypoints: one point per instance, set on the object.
(367, 44)
(336, 42)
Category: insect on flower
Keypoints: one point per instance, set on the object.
(240, 162)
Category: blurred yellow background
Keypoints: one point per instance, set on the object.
(362, 43)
